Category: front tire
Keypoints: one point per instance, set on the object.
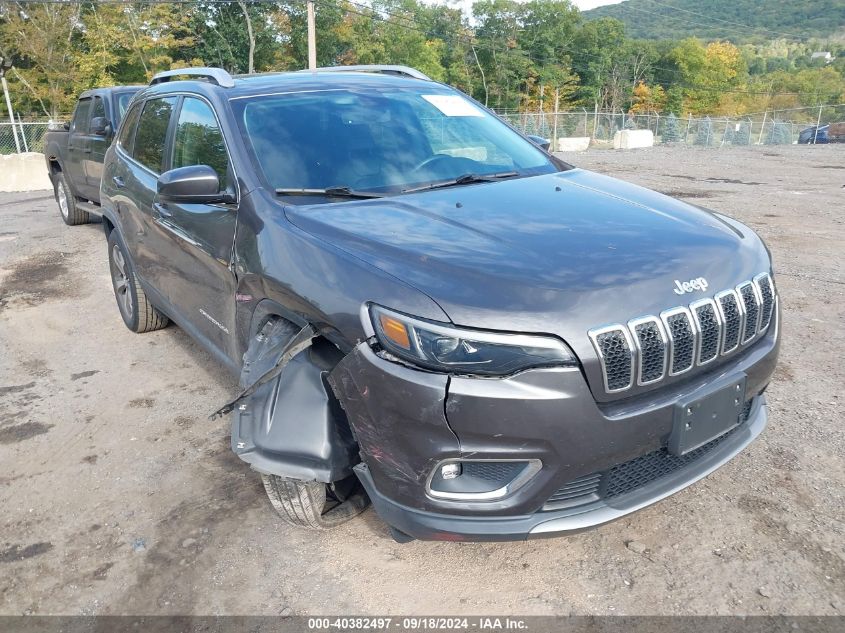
(138, 313)
(315, 505)
(71, 213)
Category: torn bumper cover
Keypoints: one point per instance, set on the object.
(409, 422)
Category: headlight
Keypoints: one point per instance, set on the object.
(445, 348)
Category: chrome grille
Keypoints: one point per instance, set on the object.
(652, 346)
(709, 326)
(648, 348)
(682, 340)
(751, 303)
(766, 292)
(617, 357)
(731, 318)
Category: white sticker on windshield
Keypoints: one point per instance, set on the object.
(453, 105)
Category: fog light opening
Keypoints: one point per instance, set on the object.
(480, 479)
(451, 471)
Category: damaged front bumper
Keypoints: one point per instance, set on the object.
(408, 423)
(427, 525)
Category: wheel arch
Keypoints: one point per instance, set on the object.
(293, 425)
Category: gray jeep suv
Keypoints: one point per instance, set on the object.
(429, 311)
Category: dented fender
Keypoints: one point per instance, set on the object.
(398, 417)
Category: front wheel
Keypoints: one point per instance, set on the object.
(315, 505)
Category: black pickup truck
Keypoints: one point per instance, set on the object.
(75, 151)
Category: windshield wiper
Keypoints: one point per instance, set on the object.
(465, 179)
(334, 192)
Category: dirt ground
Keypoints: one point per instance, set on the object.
(119, 496)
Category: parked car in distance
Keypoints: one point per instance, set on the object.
(430, 312)
(827, 133)
(75, 151)
(814, 135)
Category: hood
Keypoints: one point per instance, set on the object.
(559, 253)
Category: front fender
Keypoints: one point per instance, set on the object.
(292, 426)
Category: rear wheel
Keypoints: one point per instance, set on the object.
(71, 214)
(138, 313)
(315, 505)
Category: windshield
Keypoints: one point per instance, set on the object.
(385, 141)
(123, 99)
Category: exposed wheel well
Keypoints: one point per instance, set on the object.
(108, 227)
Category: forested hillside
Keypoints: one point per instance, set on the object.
(736, 20)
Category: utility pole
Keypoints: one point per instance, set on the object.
(6, 64)
(312, 37)
(818, 123)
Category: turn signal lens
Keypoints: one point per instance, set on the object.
(395, 331)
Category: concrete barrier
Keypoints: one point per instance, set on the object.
(573, 144)
(631, 139)
(23, 172)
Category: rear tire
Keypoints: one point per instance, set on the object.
(138, 313)
(315, 505)
(71, 213)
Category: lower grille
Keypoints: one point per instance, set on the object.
(643, 470)
(577, 491)
(634, 474)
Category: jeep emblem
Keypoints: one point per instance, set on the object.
(690, 286)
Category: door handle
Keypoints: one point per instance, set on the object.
(162, 210)
(118, 182)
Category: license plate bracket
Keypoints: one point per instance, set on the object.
(706, 417)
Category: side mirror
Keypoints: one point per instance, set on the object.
(539, 141)
(195, 184)
(100, 126)
(66, 125)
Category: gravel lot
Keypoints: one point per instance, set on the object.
(118, 494)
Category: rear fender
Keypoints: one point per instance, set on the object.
(292, 425)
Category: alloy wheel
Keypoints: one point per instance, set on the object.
(62, 196)
(121, 281)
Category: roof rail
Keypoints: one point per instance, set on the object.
(216, 76)
(387, 69)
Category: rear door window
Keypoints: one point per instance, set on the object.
(127, 132)
(152, 132)
(79, 124)
(99, 109)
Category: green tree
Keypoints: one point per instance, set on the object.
(671, 129)
(704, 134)
(42, 40)
(743, 135)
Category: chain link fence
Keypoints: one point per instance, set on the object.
(23, 136)
(777, 127)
